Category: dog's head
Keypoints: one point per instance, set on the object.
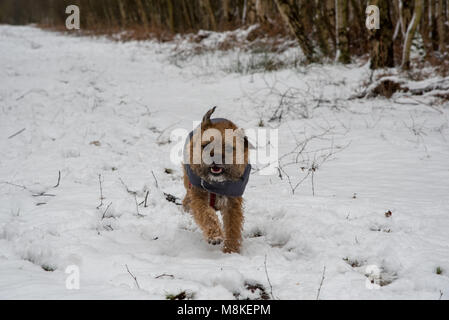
(218, 150)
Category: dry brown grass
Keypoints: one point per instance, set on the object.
(131, 33)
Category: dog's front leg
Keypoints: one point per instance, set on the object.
(233, 223)
(207, 219)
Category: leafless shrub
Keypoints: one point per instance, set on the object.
(279, 101)
(417, 129)
(306, 161)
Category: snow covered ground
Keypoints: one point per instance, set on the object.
(93, 107)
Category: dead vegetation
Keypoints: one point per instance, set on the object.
(437, 89)
(182, 295)
(255, 291)
(255, 49)
(376, 275)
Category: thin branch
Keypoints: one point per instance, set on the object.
(312, 180)
(104, 213)
(133, 276)
(101, 192)
(40, 194)
(268, 278)
(171, 198)
(15, 185)
(134, 193)
(164, 275)
(43, 194)
(59, 179)
(17, 133)
(321, 283)
(144, 202)
(155, 180)
(137, 207)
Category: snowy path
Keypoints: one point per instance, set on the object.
(91, 106)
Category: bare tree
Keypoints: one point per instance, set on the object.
(323, 28)
(342, 31)
(290, 13)
(208, 15)
(142, 14)
(440, 22)
(411, 33)
(381, 40)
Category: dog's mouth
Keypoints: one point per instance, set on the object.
(216, 170)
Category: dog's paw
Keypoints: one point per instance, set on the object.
(215, 241)
(231, 247)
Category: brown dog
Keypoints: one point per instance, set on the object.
(216, 183)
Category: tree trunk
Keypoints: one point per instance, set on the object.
(121, 6)
(411, 33)
(433, 23)
(170, 18)
(142, 14)
(208, 15)
(185, 14)
(446, 10)
(322, 29)
(226, 11)
(290, 13)
(250, 13)
(342, 28)
(424, 26)
(263, 10)
(359, 14)
(381, 40)
(329, 19)
(440, 23)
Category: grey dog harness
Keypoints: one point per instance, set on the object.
(225, 188)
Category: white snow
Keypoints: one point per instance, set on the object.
(94, 107)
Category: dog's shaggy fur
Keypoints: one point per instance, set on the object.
(196, 200)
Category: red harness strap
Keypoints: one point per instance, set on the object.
(212, 197)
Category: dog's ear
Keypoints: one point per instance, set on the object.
(248, 144)
(206, 118)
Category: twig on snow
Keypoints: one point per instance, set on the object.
(164, 275)
(268, 278)
(144, 202)
(133, 276)
(17, 133)
(101, 192)
(106, 210)
(15, 185)
(134, 193)
(59, 179)
(40, 194)
(321, 283)
(137, 207)
(155, 180)
(171, 198)
(43, 194)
